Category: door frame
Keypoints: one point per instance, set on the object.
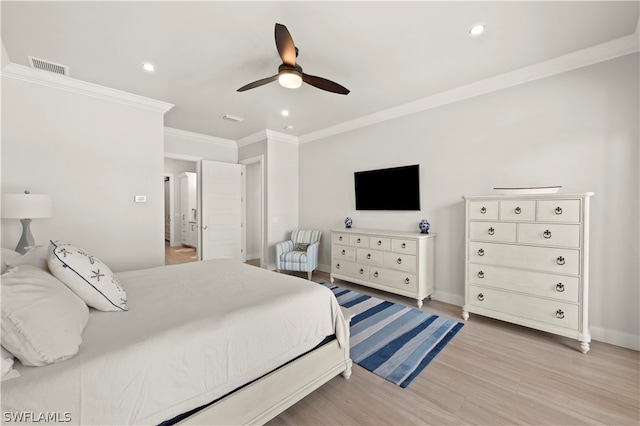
(260, 160)
(197, 160)
(172, 240)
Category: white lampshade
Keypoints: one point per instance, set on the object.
(26, 206)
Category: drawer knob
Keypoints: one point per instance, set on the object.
(518, 210)
(399, 261)
(358, 241)
(491, 231)
(361, 271)
(546, 234)
(560, 260)
(379, 242)
(407, 281)
(481, 274)
(340, 238)
(558, 210)
(368, 255)
(481, 297)
(481, 252)
(344, 252)
(404, 245)
(560, 287)
(559, 314)
(375, 274)
(337, 266)
(483, 210)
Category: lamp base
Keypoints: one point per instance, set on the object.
(26, 240)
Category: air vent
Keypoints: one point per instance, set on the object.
(42, 64)
(233, 118)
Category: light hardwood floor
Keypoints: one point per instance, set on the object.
(179, 254)
(491, 373)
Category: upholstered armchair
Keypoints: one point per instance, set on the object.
(300, 253)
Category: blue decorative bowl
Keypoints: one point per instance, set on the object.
(348, 222)
(424, 226)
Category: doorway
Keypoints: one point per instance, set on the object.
(181, 236)
(255, 210)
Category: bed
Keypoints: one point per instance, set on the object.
(244, 342)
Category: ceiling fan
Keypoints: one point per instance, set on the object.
(290, 74)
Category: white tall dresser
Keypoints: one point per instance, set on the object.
(527, 261)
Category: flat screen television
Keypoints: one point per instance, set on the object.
(396, 188)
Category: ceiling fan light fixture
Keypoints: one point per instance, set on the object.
(290, 79)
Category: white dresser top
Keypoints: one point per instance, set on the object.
(384, 233)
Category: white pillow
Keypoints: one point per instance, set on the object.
(42, 320)
(87, 276)
(7, 365)
(36, 256)
(7, 256)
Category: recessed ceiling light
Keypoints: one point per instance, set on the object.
(149, 67)
(289, 127)
(285, 113)
(477, 30)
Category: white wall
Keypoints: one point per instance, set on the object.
(253, 205)
(197, 145)
(93, 155)
(577, 129)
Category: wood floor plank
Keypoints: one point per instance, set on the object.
(491, 373)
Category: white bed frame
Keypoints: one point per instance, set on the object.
(272, 394)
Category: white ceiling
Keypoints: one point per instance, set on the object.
(387, 53)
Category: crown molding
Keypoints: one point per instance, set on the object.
(578, 59)
(198, 137)
(45, 78)
(282, 137)
(253, 138)
(267, 134)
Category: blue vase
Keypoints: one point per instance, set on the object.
(424, 226)
(348, 222)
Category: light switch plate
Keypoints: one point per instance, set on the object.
(140, 198)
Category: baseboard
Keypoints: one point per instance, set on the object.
(616, 338)
(450, 298)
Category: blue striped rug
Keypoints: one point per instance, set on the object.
(391, 340)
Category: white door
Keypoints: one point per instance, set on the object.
(223, 233)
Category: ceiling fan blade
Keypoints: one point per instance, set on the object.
(258, 83)
(284, 43)
(324, 84)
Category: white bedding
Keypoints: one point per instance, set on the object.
(193, 333)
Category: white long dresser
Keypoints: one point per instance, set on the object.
(397, 262)
(527, 261)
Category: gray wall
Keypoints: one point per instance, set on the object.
(93, 156)
(578, 129)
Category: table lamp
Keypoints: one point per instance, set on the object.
(25, 207)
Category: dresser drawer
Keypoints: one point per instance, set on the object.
(341, 238)
(487, 210)
(492, 231)
(518, 210)
(383, 244)
(359, 240)
(402, 262)
(556, 313)
(549, 234)
(351, 269)
(557, 260)
(396, 279)
(404, 246)
(370, 257)
(551, 286)
(559, 211)
(343, 252)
